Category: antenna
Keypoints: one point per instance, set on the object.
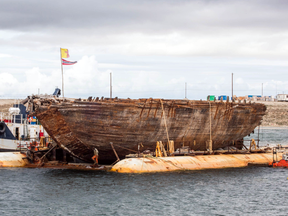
(262, 89)
(110, 85)
(232, 87)
(185, 90)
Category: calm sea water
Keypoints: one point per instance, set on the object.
(241, 191)
(271, 136)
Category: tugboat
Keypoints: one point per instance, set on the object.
(18, 130)
(282, 163)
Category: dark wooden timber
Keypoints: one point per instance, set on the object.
(80, 126)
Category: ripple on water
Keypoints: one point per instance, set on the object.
(241, 191)
(248, 191)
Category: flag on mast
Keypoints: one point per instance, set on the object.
(64, 53)
(65, 62)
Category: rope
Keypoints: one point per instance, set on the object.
(125, 148)
(165, 120)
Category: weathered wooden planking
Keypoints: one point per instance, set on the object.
(82, 126)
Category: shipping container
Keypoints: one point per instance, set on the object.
(211, 97)
(223, 97)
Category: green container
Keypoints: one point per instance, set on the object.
(211, 97)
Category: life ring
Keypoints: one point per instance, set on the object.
(2, 127)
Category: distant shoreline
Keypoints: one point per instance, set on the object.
(271, 127)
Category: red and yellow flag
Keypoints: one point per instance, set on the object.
(64, 53)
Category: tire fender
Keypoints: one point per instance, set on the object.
(2, 127)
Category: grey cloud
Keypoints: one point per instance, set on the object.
(142, 16)
(200, 27)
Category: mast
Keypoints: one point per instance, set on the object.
(262, 90)
(232, 88)
(185, 90)
(110, 85)
(62, 73)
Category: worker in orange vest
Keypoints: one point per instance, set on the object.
(95, 157)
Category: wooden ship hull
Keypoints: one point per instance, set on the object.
(81, 126)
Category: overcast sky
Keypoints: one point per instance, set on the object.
(151, 47)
